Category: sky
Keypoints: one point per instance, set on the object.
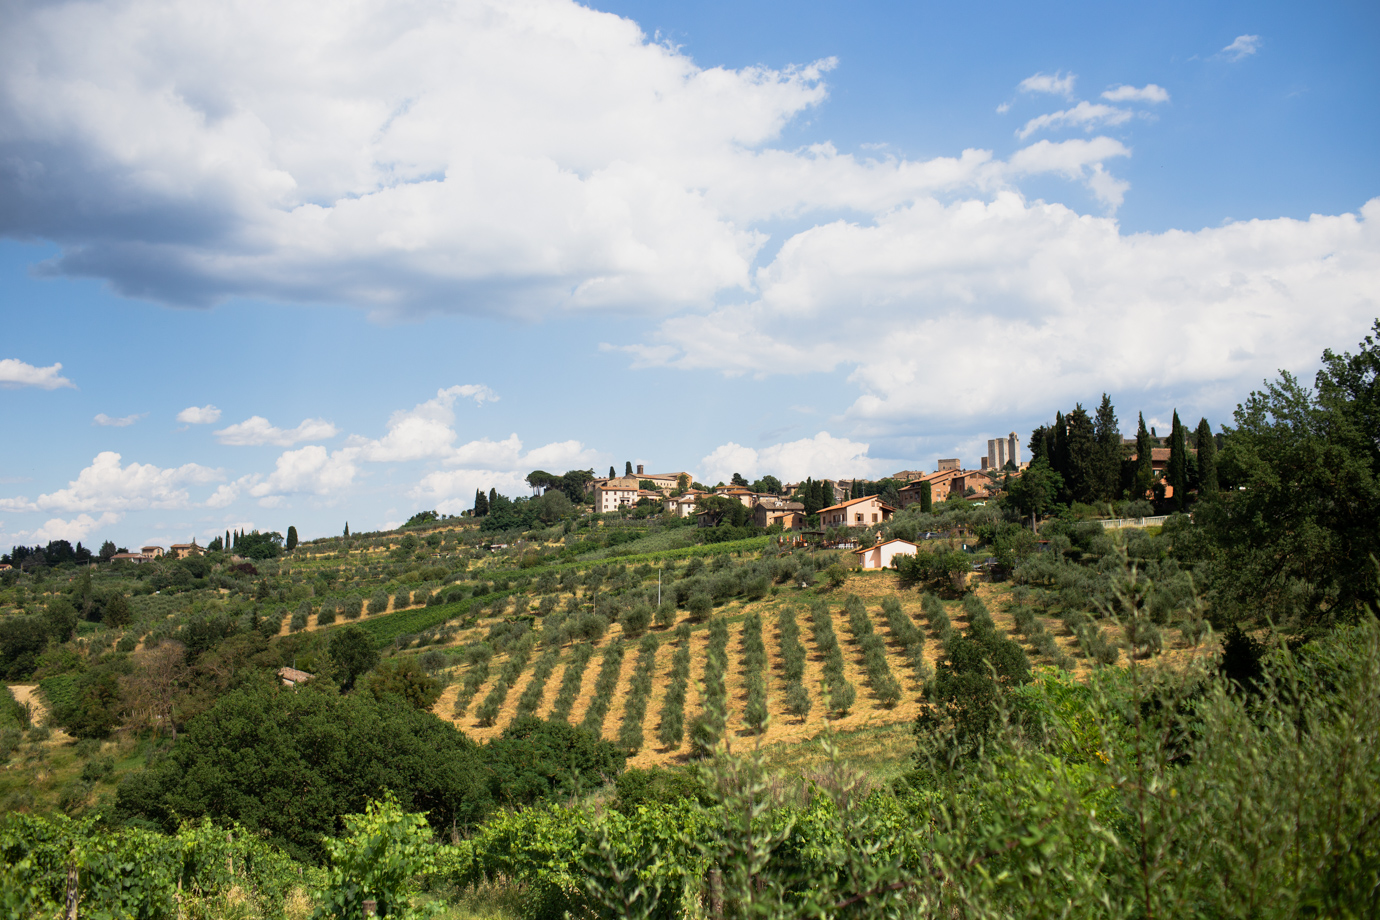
(309, 263)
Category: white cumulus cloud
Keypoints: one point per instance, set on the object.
(106, 485)
(981, 309)
(310, 469)
(257, 430)
(424, 431)
(823, 457)
(199, 415)
(16, 373)
(1242, 46)
(73, 530)
(1147, 93)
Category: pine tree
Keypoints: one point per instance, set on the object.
(1145, 471)
(291, 543)
(1081, 446)
(1107, 470)
(1177, 473)
(1207, 461)
(481, 503)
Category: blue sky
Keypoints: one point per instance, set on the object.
(303, 264)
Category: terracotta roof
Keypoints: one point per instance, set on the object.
(854, 501)
(863, 549)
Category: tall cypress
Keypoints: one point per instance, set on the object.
(1107, 468)
(291, 538)
(1177, 473)
(493, 500)
(1145, 470)
(1082, 456)
(1059, 455)
(227, 541)
(1207, 461)
(926, 497)
(612, 474)
(481, 503)
(347, 529)
(627, 468)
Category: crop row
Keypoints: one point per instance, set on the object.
(536, 684)
(507, 676)
(840, 690)
(671, 728)
(630, 732)
(879, 676)
(755, 664)
(571, 680)
(604, 686)
(908, 636)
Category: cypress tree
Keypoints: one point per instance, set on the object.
(1207, 461)
(1059, 453)
(1145, 471)
(926, 497)
(1177, 473)
(1081, 446)
(493, 500)
(481, 503)
(612, 474)
(627, 468)
(347, 528)
(291, 538)
(1107, 470)
(226, 545)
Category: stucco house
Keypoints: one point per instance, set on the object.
(857, 512)
(153, 552)
(790, 515)
(880, 555)
(612, 494)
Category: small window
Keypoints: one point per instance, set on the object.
(874, 518)
(858, 518)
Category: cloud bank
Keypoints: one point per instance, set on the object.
(16, 373)
(523, 159)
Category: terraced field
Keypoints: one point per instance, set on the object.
(870, 709)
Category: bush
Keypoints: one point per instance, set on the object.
(636, 620)
(699, 606)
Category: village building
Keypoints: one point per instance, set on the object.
(612, 494)
(183, 550)
(881, 555)
(153, 552)
(790, 515)
(291, 677)
(682, 505)
(857, 512)
(136, 558)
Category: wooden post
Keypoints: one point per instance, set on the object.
(371, 907)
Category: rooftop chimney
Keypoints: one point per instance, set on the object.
(639, 469)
